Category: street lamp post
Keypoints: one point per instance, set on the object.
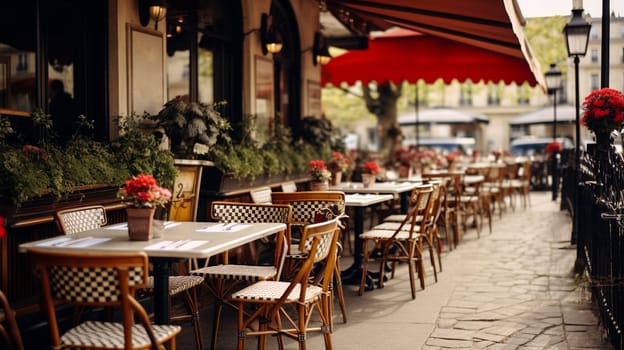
(553, 83)
(577, 36)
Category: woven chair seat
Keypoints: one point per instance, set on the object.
(249, 273)
(110, 335)
(392, 225)
(177, 284)
(273, 291)
(381, 234)
(395, 217)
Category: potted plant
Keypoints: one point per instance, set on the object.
(320, 175)
(369, 173)
(338, 165)
(192, 127)
(603, 112)
(143, 195)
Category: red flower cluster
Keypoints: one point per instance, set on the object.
(34, 152)
(554, 147)
(2, 228)
(603, 110)
(318, 170)
(142, 191)
(338, 162)
(371, 168)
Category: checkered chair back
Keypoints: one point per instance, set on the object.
(92, 279)
(100, 280)
(323, 233)
(244, 213)
(306, 204)
(81, 219)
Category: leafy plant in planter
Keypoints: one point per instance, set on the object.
(192, 127)
(138, 152)
(29, 171)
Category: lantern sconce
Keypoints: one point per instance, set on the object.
(320, 50)
(155, 10)
(270, 37)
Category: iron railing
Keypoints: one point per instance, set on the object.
(600, 234)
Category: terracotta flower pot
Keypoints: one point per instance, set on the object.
(336, 178)
(140, 221)
(319, 185)
(368, 179)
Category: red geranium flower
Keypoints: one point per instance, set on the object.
(142, 191)
(554, 147)
(603, 110)
(318, 170)
(2, 228)
(371, 167)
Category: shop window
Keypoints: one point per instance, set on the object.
(69, 49)
(204, 52)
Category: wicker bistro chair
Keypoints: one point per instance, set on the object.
(289, 186)
(433, 234)
(306, 207)
(261, 195)
(75, 220)
(9, 332)
(108, 280)
(222, 279)
(272, 299)
(406, 241)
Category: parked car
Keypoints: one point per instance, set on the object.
(445, 144)
(528, 146)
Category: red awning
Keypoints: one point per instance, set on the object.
(404, 55)
(492, 25)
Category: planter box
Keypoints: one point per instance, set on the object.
(216, 185)
(215, 182)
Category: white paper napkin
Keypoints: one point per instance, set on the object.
(68, 242)
(224, 227)
(185, 244)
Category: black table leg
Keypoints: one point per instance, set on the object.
(162, 268)
(353, 275)
(405, 202)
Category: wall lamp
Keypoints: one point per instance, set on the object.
(270, 37)
(320, 50)
(155, 10)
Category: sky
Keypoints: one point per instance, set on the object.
(543, 8)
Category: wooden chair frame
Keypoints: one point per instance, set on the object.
(407, 240)
(271, 298)
(305, 204)
(222, 279)
(65, 279)
(10, 334)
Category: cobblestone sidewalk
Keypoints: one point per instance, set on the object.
(517, 290)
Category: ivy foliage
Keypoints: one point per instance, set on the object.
(29, 170)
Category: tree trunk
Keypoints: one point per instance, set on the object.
(384, 105)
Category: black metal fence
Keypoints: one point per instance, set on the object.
(600, 233)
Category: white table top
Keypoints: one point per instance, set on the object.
(378, 187)
(180, 239)
(364, 200)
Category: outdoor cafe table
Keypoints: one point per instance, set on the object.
(403, 189)
(181, 240)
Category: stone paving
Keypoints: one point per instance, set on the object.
(512, 289)
(517, 290)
